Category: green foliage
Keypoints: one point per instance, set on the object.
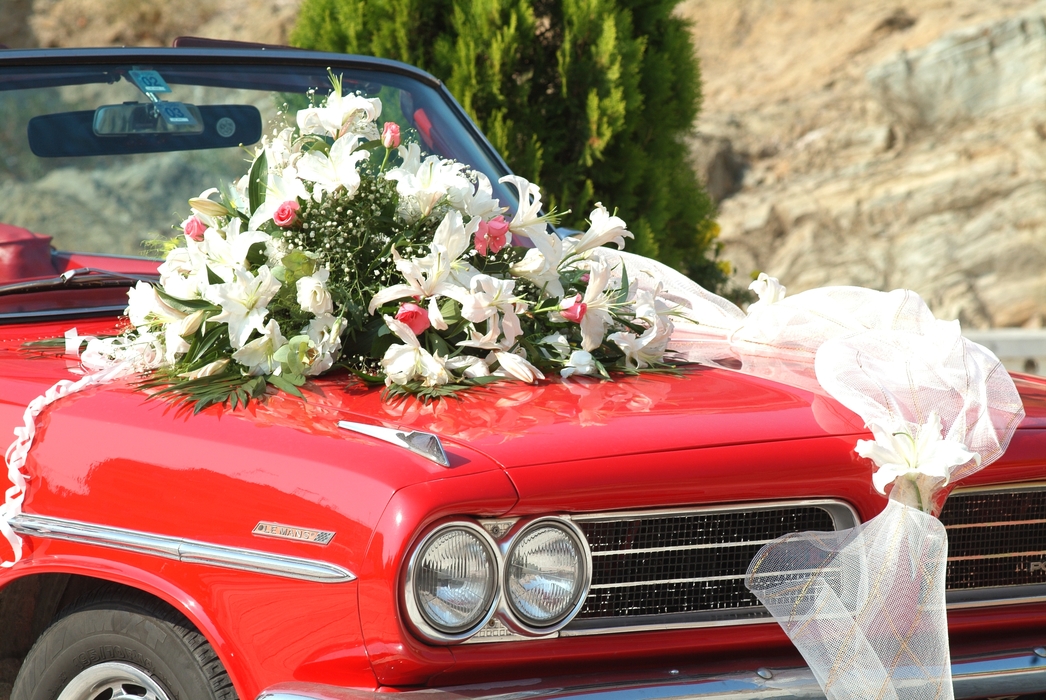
(587, 98)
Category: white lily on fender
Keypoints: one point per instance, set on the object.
(898, 453)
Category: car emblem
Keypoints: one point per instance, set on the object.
(289, 532)
(1037, 566)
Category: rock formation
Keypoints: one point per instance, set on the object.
(859, 143)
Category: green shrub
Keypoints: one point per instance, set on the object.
(588, 98)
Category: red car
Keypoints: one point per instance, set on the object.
(287, 550)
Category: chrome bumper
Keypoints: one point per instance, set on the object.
(1015, 673)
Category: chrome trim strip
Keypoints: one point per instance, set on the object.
(834, 506)
(1013, 673)
(999, 523)
(1004, 555)
(679, 548)
(178, 549)
(1014, 486)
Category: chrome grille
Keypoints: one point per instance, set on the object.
(681, 568)
(996, 543)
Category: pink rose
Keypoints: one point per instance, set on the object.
(491, 235)
(415, 317)
(390, 135)
(287, 213)
(575, 311)
(194, 228)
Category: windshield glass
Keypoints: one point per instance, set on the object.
(103, 158)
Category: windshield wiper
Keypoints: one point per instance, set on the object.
(79, 278)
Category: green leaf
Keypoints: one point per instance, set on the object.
(256, 255)
(209, 339)
(186, 306)
(622, 295)
(212, 278)
(372, 145)
(486, 380)
(257, 181)
(283, 384)
(229, 199)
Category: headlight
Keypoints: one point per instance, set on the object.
(452, 582)
(547, 574)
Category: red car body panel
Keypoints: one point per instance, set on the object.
(110, 456)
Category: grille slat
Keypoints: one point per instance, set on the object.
(688, 568)
(683, 564)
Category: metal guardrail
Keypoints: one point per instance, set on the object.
(1020, 349)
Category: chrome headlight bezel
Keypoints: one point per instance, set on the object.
(415, 614)
(507, 611)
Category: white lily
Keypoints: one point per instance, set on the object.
(206, 209)
(482, 203)
(454, 237)
(280, 188)
(516, 367)
(225, 255)
(645, 349)
(598, 304)
(469, 365)
(257, 355)
(335, 170)
(208, 370)
(769, 290)
(483, 341)
(528, 221)
(559, 344)
(426, 277)
(898, 453)
(179, 273)
(404, 363)
(244, 302)
(145, 308)
(339, 112)
(425, 183)
(603, 230)
(492, 299)
(580, 362)
(325, 332)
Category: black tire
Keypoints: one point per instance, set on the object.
(117, 628)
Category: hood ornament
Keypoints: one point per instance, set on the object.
(425, 445)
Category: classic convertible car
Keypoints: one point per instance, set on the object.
(569, 538)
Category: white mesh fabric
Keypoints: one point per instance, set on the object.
(865, 607)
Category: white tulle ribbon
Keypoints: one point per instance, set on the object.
(18, 451)
(864, 606)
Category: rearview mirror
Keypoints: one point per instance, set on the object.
(147, 118)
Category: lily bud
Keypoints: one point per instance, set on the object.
(208, 207)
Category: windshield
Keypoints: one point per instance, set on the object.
(101, 159)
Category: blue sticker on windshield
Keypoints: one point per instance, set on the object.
(149, 81)
(175, 114)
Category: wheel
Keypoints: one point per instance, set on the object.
(118, 645)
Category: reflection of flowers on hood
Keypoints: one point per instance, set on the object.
(898, 453)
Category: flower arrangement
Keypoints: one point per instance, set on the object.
(345, 246)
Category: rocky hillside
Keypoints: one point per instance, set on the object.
(871, 142)
(882, 144)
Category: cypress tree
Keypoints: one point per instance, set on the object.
(588, 98)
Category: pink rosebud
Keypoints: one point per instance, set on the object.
(575, 311)
(586, 277)
(390, 135)
(491, 235)
(287, 213)
(415, 317)
(194, 228)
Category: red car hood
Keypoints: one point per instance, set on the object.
(518, 425)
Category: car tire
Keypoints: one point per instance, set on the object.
(125, 642)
